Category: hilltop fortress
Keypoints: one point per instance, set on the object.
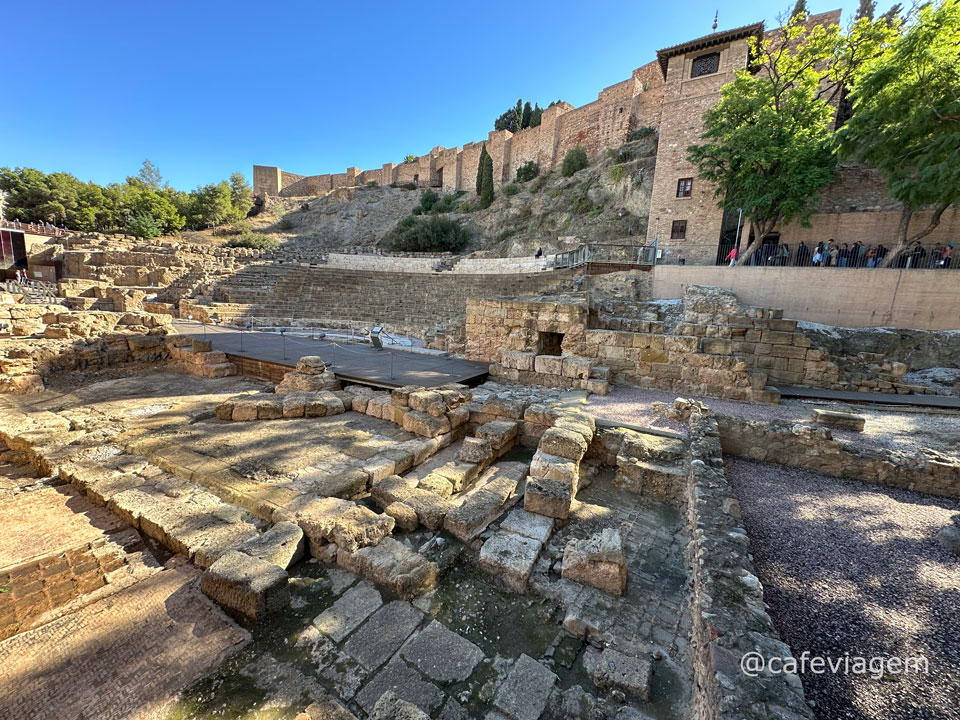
(669, 94)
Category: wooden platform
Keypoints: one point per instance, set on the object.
(268, 356)
(949, 402)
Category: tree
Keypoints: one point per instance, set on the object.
(240, 193)
(142, 225)
(526, 116)
(483, 154)
(536, 115)
(486, 181)
(150, 175)
(574, 161)
(409, 159)
(866, 9)
(906, 118)
(800, 9)
(768, 142)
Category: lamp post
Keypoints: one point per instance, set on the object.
(283, 339)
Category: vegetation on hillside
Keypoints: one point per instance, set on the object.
(427, 234)
(521, 116)
(62, 199)
(574, 161)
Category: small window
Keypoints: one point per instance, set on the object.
(684, 187)
(705, 65)
(678, 231)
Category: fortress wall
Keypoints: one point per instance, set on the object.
(526, 146)
(579, 127)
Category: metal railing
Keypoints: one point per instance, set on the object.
(933, 256)
(33, 228)
(604, 253)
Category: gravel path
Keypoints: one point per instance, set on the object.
(850, 568)
(894, 430)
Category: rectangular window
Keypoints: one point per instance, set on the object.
(684, 187)
(678, 231)
(705, 65)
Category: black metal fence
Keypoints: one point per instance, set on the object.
(917, 256)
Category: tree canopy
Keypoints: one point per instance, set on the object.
(906, 116)
(768, 142)
(521, 116)
(62, 199)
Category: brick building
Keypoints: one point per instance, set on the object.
(669, 94)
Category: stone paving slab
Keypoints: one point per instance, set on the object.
(383, 634)
(441, 654)
(406, 682)
(346, 614)
(125, 656)
(524, 693)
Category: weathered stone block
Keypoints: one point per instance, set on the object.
(563, 443)
(548, 497)
(392, 565)
(510, 557)
(424, 424)
(343, 522)
(246, 587)
(598, 561)
(616, 671)
(548, 364)
(281, 545)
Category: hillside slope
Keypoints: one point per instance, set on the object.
(607, 201)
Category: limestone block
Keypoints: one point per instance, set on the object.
(403, 515)
(616, 671)
(598, 561)
(425, 425)
(202, 346)
(282, 545)
(525, 692)
(246, 587)
(563, 443)
(531, 525)
(834, 418)
(458, 416)
(517, 360)
(510, 558)
(576, 367)
(503, 406)
(552, 467)
(548, 497)
(476, 450)
(480, 506)
(498, 433)
(459, 473)
(293, 405)
(269, 409)
(436, 484)
(392, 565)
(311, 365)
(344, 522)
(548, 364)
(429, 507)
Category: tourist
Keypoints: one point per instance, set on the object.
(825, 251)
(917, 255)
(857, 253)
(871, 256)
(539, 253)
(783, 254)
(818, 255)
(843, 255)
(881, 254)
(803, 254)
(947, 255)
(833, 256)
(732, 256)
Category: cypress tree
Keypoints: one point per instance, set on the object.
(527, 115)
(800, 9)
(866, 9)
(486, 184)
(483, 154)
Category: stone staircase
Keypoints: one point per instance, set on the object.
(412, 301)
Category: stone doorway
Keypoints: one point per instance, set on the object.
(549, 343)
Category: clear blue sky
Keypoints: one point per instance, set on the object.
(205, 88)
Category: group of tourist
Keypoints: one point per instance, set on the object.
(44, 228)
(855, 255)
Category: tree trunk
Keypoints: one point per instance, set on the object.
(758, 237)
(903, 240)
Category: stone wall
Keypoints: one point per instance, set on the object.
(854, 297)
(813, 448)
(727, 607)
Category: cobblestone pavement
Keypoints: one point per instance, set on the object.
(125, 656)
(855, 569)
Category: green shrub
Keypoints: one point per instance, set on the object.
(582, 204)
(428, 199)
(409, 186)
(574, 161)
(465, 207)
(617, 173)
(528, 171)
(372, 183)
(505, 234)
(511, 189)
(448, 203)
(285, 224)
(641, 133)
(143, 225)
(622, 155)
(254, 240)
(596, 211)
(429, 234)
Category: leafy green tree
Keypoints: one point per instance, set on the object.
(150, 175)
(409, 159)
(486, 181)
(431, 234)
(528, 171)
(800, 8)
(526, 116)
(143, 225)
(906, 117)
(536, 115)
(768, 145)
(240, 193)
(574, 161)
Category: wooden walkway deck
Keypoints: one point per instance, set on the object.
(949, 402)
